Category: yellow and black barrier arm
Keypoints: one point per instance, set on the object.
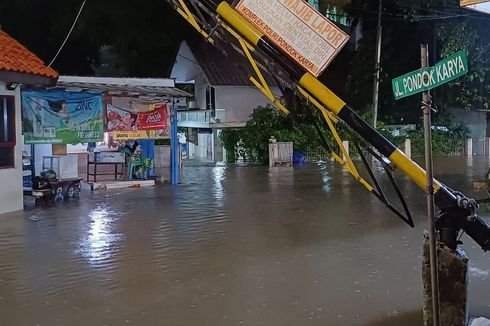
(457, 211)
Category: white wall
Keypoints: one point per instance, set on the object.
(185, 66)
(204, 143)
(240, 101)
(476, 121)
(11, 196)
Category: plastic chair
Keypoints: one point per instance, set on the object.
(135, 164)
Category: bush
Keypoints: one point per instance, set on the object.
(252, 141)
(450, 142)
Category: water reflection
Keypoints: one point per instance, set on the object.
(219, 173)
(99, 244)
(324, 171)
(295, 246)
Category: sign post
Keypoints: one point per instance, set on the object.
(427, 107)
(421, 81)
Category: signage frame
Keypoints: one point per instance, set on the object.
(321, 39)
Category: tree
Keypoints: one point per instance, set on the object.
(471, 91)
(267, 122)
(406, 24)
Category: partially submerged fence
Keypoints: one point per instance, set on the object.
(280, 154)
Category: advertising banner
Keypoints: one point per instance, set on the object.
(139, 134)
(60, 117)
(129, 118)
(153, 120)
(298, 29)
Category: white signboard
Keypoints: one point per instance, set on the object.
(479, 5)
(298, 29)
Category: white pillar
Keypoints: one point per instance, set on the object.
(408, 148)
(469, 147)
(346, 146)
(487, 147)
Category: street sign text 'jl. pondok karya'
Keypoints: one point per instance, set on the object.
(428, 78)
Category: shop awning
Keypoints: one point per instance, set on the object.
(153, 87)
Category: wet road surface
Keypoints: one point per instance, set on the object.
(230, 246)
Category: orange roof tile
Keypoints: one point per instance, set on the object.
(15, 57)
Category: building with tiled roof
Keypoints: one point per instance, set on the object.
(224, 95)
(19, 65)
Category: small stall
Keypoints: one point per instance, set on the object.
(137, 112)
(102, 128)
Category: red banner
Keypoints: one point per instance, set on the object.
(153, 120)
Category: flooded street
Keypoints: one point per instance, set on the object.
(230, 246)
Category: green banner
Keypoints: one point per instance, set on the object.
(60, 117)
(428, 78)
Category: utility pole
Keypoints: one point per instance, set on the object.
(377, 66)
(427, 107)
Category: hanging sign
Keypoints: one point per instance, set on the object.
(298, 29)
(428, 78)
(129, 118)
(60, 117)
(139, 134)
(153, 120)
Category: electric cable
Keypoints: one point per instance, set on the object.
(69, 33)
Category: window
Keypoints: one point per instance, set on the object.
(7, 131)
(210, 100)
(314, 3)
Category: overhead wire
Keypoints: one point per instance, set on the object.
(387, 15)
(69, 33)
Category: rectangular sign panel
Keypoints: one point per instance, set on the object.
(58, 117)
(298, 29)
(133, 118)
(139, 134)
(428, 78)
(121, 120)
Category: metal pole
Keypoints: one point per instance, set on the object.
(426, 105)
(173, 146)
(377, 66)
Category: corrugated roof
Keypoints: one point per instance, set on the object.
(223, 69)
(129, 86)
(17, 58)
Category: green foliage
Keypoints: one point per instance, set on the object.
(230, 138)
(252, 141)
(450, 142)
(473, 89)
(406, 24)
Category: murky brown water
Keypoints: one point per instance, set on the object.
(231, 246)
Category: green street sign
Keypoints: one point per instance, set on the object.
(428, 78)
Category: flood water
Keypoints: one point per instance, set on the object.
(230, 246)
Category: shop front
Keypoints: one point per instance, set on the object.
(105, 129)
